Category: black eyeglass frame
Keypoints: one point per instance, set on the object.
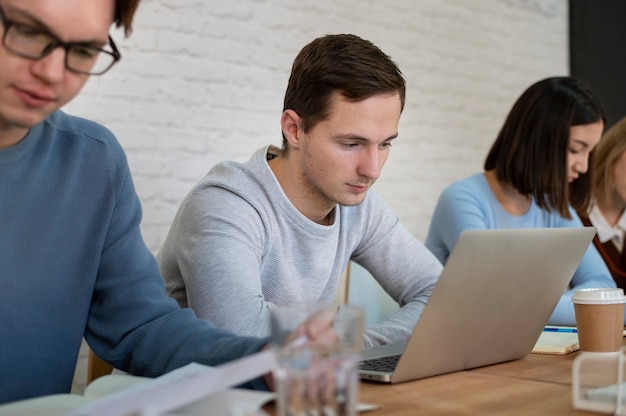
(56, 42)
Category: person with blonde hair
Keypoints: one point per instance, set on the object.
(607, 212)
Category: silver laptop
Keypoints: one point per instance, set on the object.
(491, 303)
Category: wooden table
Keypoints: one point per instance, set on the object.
(535, 385)
(470, 393)
(538, 367)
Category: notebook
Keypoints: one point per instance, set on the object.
(557, 340)
(491, 303)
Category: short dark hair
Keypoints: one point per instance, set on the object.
(124, 13)
(344, 64)
(531, 149)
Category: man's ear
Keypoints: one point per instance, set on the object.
(290, 123)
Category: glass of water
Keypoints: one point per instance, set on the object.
(317, 379)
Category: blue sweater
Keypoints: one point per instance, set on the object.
(470, 204)
(73, 264)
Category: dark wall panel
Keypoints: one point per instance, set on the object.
(598, 50)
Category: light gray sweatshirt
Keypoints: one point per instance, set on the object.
(238, 247)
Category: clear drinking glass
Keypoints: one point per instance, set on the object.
(312, 379)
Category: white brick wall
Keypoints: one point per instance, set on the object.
(203, 81)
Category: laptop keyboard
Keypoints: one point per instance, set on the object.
(385, 364)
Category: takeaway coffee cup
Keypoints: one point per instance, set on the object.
(599, 319)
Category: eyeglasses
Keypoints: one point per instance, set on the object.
(35, 43)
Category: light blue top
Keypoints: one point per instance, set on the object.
(470, 204)
(73, 264)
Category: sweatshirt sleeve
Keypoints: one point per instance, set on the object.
(217, 249)
(404, 268)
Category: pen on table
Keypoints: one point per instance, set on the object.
(552, 329)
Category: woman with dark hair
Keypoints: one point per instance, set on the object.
(536, 176)
(607, 212)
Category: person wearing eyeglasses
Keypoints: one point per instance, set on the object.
(72, 260)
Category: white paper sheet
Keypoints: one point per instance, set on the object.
(179, 388)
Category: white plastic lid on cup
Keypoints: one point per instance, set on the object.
(603, 296)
